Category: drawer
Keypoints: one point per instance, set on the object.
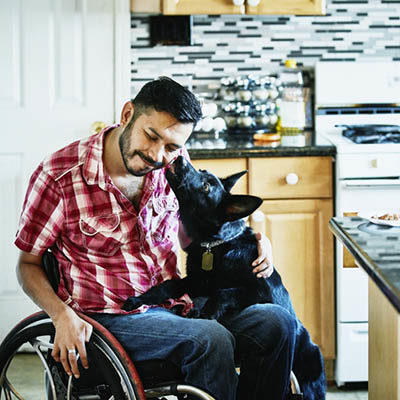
(290, 177)
(224, 167)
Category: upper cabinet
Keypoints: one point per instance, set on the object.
(261, 7)
(175, 7)
(293, 7)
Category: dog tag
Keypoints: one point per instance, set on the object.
(207, 261)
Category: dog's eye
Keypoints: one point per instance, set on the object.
(206, 187)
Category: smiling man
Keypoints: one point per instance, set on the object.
(104, 208)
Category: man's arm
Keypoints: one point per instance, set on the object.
(71, 330)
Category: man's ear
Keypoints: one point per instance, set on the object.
(127, 113)
(240, 206)
(230, 180)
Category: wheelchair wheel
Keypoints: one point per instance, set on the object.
(108, 377)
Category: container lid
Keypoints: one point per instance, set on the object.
(290, 63)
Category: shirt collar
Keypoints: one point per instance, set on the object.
(93, 167)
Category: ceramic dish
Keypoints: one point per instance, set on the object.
(386, 222)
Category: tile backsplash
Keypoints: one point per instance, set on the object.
(223, 45)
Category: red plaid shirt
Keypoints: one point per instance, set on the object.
(107, 251)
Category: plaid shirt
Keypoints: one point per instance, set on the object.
(107, 251)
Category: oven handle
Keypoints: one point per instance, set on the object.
(354, 183)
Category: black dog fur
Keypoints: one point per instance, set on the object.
(210, 214)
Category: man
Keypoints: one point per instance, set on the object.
(104, 208)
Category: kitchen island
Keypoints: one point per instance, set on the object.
(376, 249)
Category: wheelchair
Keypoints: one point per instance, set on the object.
(111, 373)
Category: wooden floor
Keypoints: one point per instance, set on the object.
(30, 383)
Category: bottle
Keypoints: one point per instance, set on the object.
(292, 108)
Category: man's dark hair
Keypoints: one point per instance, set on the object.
(164, 94)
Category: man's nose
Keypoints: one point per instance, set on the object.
(159, 155)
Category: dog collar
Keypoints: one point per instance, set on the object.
(210, 245)
(207, 260)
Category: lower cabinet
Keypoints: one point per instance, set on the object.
(303, 255)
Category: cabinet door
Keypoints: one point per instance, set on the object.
(303, 255)
(225, 167)
(176, 7)
(292, 7)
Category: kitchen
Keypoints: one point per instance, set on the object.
(222, 45)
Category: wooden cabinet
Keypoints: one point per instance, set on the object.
(303, 254)
(193, 7)
(383, 346)
(296, 221)
(300, 7)
(294, 7)
(174, 7)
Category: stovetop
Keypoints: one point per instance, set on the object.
(360, 130)
(371, 133)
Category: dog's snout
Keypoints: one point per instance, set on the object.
(180, 161)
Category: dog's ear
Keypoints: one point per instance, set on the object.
(230, 180)
(240, 206)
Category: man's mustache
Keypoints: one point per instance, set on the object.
(149, 160)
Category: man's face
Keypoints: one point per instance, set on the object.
(152, 141)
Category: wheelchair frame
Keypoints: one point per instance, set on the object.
(124, 382)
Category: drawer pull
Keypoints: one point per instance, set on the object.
(292, 178)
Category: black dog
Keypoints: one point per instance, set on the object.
(219, 270)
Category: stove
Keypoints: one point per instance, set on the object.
(358, 110)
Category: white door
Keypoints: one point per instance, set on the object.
(63, 65)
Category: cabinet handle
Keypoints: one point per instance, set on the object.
(238, 2)
(292, 178)
(253, 3)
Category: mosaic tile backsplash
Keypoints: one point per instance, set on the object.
(224, 45)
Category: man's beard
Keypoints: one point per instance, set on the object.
(124, 144)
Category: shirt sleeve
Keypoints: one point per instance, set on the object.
(42, 214)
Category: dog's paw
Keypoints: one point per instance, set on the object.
(131, 303)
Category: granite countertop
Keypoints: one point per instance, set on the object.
(203, 146)
(376, 249)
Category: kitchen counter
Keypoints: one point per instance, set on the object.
(204, 146)
(376, 249)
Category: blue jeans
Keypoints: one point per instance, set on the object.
(262, 337)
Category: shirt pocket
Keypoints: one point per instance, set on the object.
(101, 234)
(165, 217)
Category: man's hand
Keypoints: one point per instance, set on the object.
(71, 334)
(263, 264)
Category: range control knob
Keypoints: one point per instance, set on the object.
(292, 178)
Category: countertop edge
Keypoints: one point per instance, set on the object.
(261, 152)
(366, 263)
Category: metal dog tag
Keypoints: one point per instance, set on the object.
(207, 261)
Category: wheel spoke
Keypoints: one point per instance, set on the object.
(36, 344)
(9, 389)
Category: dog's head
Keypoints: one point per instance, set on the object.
(205, 201)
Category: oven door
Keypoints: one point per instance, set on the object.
(363, 197)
